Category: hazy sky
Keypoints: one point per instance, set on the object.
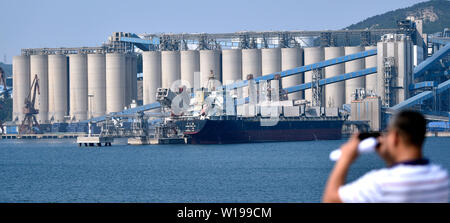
(62, 23)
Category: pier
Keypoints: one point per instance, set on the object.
(94, 141)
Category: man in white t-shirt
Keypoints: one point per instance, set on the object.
(408, 176)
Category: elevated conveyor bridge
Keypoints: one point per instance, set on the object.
(421, 69)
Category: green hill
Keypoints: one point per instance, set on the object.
(435, 14)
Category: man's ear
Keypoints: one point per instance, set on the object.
(396, 138)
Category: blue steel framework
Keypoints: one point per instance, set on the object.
(419, 71)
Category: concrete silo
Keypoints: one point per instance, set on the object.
(115, 82)
(131, 78)
(371, 80)
(311, 55)
(251, 63)
(96, 85)
(352, 66)
(151, 68)
(170, 68)
(57, 88)
(291, 58)
(334, 93)
(39, 67)
(21, 85)
(409, 63)
(381, 54)
(392, 51)
(209, 60)
(270, 60)
(128, 70)
(231, 65)
(403, 76)
(78, 86)
(190, 64)
(134, 87)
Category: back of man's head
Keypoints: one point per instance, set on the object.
(411, 126)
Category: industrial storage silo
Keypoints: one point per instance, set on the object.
(381, 54)
(352, 66)
(402, 76)
(270, 60)
(251, 63)
(39, 67)
(392, 51)
(190, 64)
(78, 86)
(128, 70)
(410, 63)
(371, 79)
(209, 60)
(151, 68)
(57, 88)
(170, 68)
(115, 82)
(311, 55)
(134, 87)
(231, 65)
(96, 85)
(21, 85)
(334, 93)
(291, 58)
(131, 78)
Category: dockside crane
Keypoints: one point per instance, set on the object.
(29, 123)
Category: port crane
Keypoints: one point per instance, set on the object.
(29, 123)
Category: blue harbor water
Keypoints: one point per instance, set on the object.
(60, 171)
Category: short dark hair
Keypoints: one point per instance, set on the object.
(411, 126)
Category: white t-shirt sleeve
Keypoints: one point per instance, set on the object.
(363, 190)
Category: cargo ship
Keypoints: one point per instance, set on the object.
(250, 130)
(271, 118)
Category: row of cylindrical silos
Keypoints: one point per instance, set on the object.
(75, 86)
(163, 68)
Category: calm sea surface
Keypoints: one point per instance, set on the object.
(60, 171)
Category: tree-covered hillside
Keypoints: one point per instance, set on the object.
(435, 14)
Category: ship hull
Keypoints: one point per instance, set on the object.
(248, 131)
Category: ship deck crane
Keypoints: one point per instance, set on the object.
(29, 123)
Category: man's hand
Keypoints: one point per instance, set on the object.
(349, 152)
